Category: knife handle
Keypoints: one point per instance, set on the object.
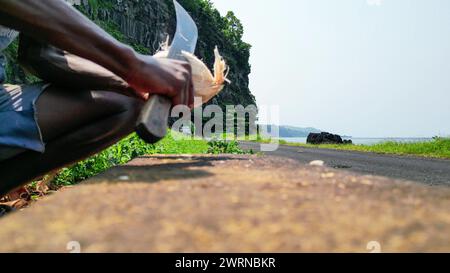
(154, 118)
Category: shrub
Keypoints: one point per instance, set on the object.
(217, 146)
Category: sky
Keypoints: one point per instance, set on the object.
(365, 68)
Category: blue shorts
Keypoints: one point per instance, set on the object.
(19, 130)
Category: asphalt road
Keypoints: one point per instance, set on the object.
(428, 171)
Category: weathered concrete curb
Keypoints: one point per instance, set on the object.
(233, 204)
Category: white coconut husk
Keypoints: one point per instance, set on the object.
(206, 84)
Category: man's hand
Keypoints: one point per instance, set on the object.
(170, 78)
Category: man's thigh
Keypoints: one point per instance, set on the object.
(61, 111)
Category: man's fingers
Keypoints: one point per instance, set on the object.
(180, 98)
(188, 81)
(176, 101)
(186, 93)
(191, 95)
(190, 88)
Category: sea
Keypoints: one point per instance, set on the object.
(365, 140)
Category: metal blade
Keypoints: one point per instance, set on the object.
(186, 35)
(152, 123)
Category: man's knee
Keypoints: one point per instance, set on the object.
(118, 103)
(128, 109)
(133, 107)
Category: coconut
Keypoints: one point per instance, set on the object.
(206, 84)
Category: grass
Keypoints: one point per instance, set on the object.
(437, 148)
(132, 147)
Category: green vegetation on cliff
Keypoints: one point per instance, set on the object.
(225, 32)
(14, 73)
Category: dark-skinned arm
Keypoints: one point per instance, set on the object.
(59, 24)
(65, 69)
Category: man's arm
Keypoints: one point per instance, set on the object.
(61, 25)
(57, 66)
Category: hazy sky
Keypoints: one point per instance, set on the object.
(367, 68)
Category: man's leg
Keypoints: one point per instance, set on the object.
(75, 125)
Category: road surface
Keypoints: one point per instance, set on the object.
(424, 170)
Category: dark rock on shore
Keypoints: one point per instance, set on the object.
(326, 138)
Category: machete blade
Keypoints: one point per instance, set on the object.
(186, 35)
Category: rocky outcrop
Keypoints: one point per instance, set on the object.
(326, 138)
(144, 24)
